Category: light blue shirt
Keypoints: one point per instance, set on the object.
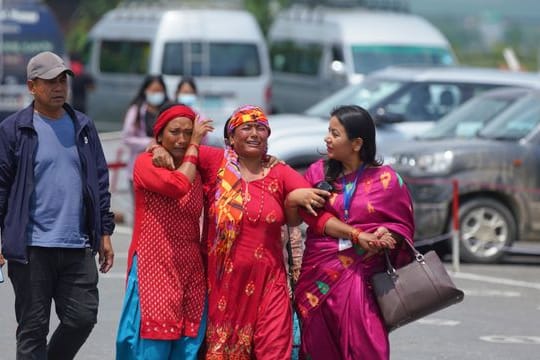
(56, 204)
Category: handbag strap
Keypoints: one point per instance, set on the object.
(390, 269)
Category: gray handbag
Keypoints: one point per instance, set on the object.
(415, 290)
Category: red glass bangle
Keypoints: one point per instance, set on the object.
(191, 159)
(354, 235)
(196, 146)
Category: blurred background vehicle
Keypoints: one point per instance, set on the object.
(390, 95)
(26, 28)
(223, 49)
(498, 171)
(315, 51)
(412, 98)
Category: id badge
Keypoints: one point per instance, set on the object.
(344, 244)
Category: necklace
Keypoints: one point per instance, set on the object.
(246, 197)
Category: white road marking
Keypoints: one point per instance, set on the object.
(438, 322)
(490, 293)
(496, 280)
(505, 339)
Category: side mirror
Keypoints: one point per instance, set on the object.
(337, 68)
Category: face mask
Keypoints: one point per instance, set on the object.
(187, 99)
(155, 98)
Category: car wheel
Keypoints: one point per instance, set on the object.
(487, 227)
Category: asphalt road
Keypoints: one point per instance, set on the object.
(498, 320)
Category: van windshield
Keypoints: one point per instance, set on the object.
(370, 58)
(124, 57)
(211, 59)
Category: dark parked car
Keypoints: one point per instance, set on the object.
(498, 172)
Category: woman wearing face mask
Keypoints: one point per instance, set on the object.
(141, 116)
(186, 93)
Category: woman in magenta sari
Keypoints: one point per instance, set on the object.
(334, 299)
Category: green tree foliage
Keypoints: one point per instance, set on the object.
(77, 17)
(263, 10)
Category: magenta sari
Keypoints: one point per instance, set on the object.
(334, 299)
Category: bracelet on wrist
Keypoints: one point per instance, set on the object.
(354, 235)
(196, 146)
(191, 159)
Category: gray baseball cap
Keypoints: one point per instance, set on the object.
(46, 65)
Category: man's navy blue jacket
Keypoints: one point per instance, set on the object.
(18, 142)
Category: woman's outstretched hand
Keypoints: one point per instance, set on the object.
(312, 199)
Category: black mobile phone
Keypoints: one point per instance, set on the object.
(325, 185)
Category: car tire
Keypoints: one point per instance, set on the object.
(486, 228)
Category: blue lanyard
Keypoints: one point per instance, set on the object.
(349, 189)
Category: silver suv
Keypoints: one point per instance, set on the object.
(404, 101)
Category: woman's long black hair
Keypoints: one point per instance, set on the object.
(187, 80)
(358, 123)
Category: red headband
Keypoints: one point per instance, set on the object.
(172, 113)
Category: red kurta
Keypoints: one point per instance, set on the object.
(166, 239)
(249, 307)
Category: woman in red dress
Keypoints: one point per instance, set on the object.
(163, 314)
(250, 313)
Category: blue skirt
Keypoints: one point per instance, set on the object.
(129, 344)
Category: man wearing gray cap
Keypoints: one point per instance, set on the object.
(54, 214)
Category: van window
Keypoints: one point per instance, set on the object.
(289, 57)
(127, 57)
(213, 59)
(370, 58)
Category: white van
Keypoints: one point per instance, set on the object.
(223, 49)
(316, 51)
